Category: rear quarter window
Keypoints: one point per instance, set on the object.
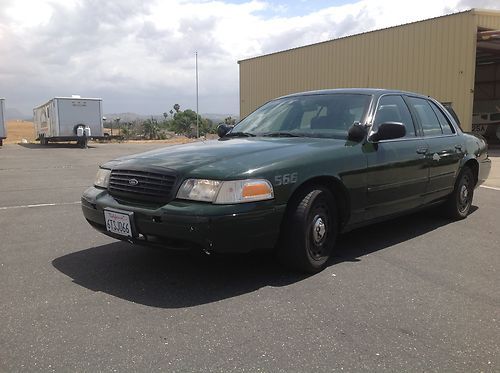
(426, 116)
(443, 121)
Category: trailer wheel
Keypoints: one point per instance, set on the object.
(83, 142)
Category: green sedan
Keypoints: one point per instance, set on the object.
(292, 176)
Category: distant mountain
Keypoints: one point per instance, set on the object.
(12, 113)
(219, 118)
(129, 117)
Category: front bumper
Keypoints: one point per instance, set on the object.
(188, 224)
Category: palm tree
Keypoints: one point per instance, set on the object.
(177, 107)
(151, 129)
(117, 120)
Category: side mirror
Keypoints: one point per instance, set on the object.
(223, 129)
(388, 131)
(356, 132)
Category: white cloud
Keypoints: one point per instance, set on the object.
(139, 55)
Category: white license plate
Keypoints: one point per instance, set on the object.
(118, 223)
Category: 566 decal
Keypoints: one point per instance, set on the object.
(286, 179)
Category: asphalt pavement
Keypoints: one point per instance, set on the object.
(419, 293)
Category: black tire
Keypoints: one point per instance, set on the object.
(309, 231)
(459, 202)
(82, 143)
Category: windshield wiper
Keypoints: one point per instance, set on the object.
(239, 134)
(282, 134)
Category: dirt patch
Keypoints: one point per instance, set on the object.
(22, 129)
(18, 130)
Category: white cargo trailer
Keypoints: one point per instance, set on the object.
(69, 119)
(3, 131)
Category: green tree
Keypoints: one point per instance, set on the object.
(230, 121)
(207, 126)
(126, 131)
(185, 122)
(151, 129)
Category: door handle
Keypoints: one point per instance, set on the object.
(422, 150)
(458, 147)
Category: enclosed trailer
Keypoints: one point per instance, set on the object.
(69, 119)
(3, 131)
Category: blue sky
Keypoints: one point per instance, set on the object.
(296, 8)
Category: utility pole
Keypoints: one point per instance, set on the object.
(197, 124)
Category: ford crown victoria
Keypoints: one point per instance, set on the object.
(292, 176)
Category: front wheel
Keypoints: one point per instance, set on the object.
(460, 200)
(310, 230)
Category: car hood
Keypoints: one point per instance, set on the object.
(226, 158)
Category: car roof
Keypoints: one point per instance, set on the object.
(365, 91)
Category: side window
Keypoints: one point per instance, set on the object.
(392, 108)
(445, 124)
(427, 117)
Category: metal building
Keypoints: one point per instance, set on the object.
(454, 58)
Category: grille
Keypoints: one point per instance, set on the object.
(148, 186)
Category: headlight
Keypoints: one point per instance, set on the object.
(102, 178)
(239, 191)
(226, 192)
(199, 190)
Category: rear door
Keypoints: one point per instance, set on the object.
(397, 172)
(444, 147)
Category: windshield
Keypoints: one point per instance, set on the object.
(328, 115)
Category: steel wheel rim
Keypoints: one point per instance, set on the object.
(464, 194)
(319, 230)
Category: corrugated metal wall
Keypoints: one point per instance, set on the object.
(435, 57)
(487, 19)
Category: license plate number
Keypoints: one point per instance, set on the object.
(118, 223)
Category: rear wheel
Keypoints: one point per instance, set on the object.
(310, 230)
(460, 201)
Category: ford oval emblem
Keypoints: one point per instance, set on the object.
(133, 182)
